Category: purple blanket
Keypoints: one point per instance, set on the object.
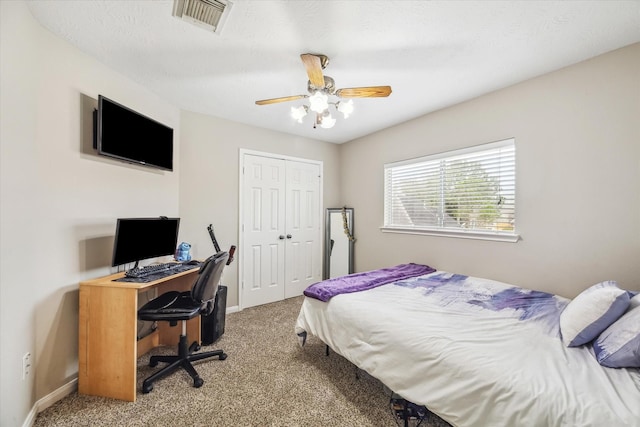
(366, 280)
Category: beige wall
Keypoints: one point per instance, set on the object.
(209, 179)
(17, 106)
(577, 135)
(59, 200)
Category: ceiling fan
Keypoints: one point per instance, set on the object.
(320, 87)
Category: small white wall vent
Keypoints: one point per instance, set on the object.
(208, 14)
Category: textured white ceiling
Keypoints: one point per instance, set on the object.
(432, 53)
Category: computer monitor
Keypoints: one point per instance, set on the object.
(138, 239)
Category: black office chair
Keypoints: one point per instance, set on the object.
(177, 306)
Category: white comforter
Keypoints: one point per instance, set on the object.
(474, 354)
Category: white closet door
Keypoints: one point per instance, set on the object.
(264, 225)
(302, 252)
(281, 230)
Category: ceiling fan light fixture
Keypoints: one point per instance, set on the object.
(326, 121)
(345, 107)
(299, 113)
(319, 102)
(321, 88)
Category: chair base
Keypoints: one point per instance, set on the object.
(182, 360)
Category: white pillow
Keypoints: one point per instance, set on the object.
(591, 312)
(619, 345)
(634, 302)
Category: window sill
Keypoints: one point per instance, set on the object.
(476, 235)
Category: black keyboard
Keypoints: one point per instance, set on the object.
(166, 268)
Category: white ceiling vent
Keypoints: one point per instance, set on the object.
(208, 14)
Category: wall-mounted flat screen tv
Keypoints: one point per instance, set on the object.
(138, 239)
(127, 135)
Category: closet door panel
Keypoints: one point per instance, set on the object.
(263, 223)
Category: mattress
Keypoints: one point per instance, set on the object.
(476, 352)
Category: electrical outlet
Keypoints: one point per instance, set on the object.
(26, 365)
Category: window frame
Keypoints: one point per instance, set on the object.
(494, 235)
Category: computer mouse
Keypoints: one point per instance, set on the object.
(193, 262)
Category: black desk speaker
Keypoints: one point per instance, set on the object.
(212, 326)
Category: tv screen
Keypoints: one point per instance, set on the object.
(142, 238)
(127, 135)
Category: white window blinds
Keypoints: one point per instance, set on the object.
(467, 193)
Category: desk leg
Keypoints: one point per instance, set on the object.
(107, 342)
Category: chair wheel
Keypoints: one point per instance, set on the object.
(197, 382)
(147, 388)
(222, 356)
(153, 363)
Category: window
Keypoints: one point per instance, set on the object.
(463, 193)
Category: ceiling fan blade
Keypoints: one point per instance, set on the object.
(364, 92)
(282, 99)
(313, 64)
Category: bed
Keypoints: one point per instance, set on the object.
(476, 352)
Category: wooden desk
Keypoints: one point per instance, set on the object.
(108, 322)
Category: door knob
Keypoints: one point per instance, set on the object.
(289, 236)
(281, 237)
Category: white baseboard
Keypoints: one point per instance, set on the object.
(49, 400)
(56, 395)
(31, 418)
(233, 309)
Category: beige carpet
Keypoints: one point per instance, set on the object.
(267, 380)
